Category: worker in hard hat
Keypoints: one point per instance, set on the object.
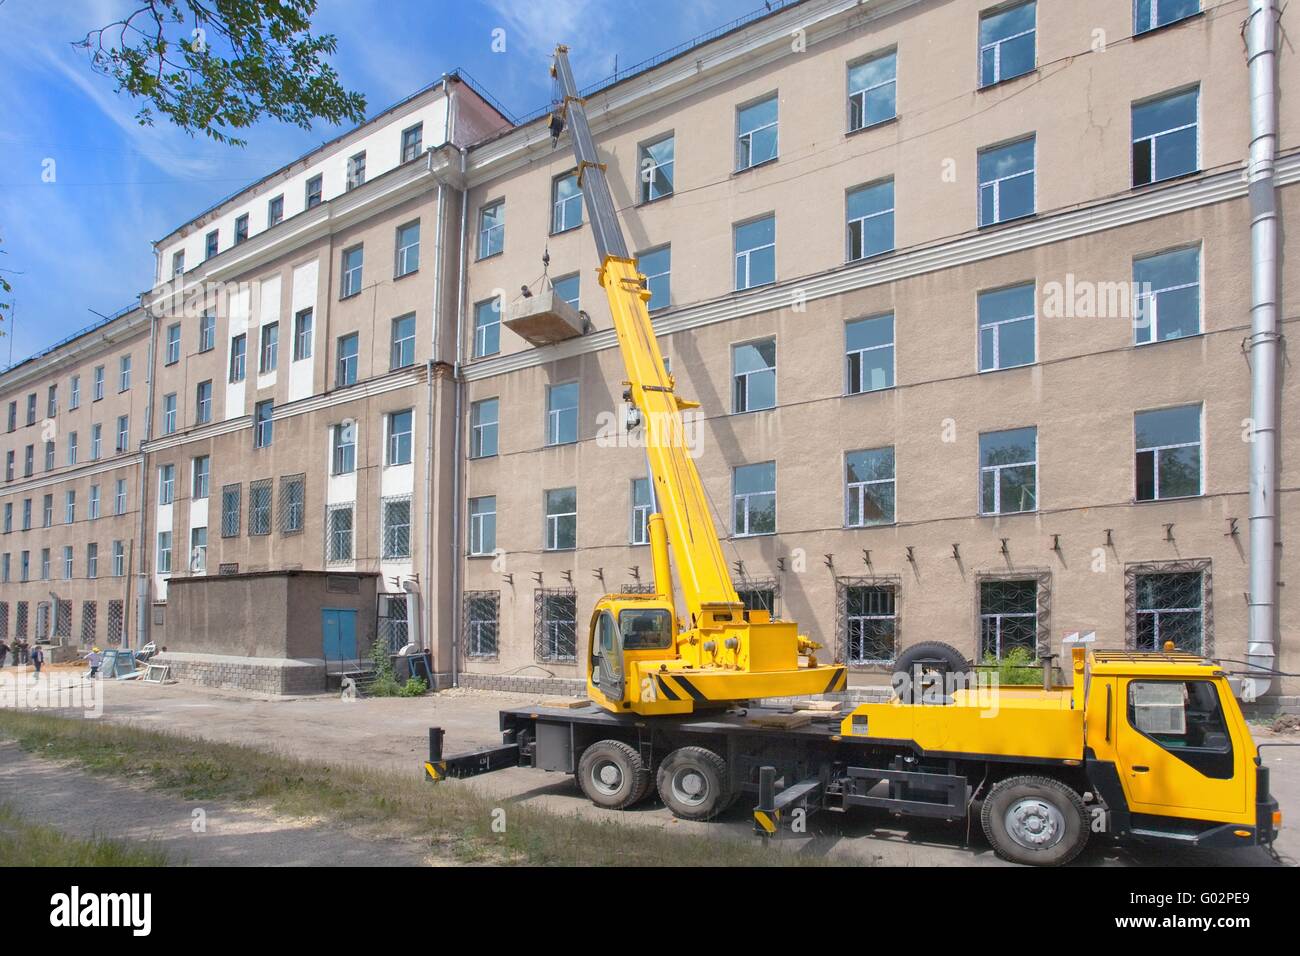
(94, 659)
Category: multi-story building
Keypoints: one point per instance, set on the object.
(963, 290)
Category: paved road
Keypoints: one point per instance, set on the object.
(392, 733)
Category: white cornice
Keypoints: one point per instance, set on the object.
(88, 470)
(99, 338)
(974, 247)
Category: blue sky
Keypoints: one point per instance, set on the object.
(81, 242)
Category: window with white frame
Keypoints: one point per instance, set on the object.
(70, 507)
(754, 499)
(1168, 292)
(119, 559)
(203, 402)
(483, 525)
(561, 519)
(270, 354)
(403, 346)
(1153, 14)
(873, 90)
(755, 253)
(178, 263)
(487, 327)
(869, 487)
(97, 384)
(569, 289)
(231, 507)
(124, 373)
(172, 348)
(1169, 608)
(238, 357)
(259, 507)
(72, 448)
(74, 393)
(870, 211)
(1006, 182)
(753, 376)
(241, 228)
(869, 354)
(556, 637)
(484, 421)
(562, 413)
(166, 484)
(343, 455)
(47, 513)
(164, 552)
(198, 550)
(350, 276)
(482, 613)
(1006, 327)
(412, 138)
(1008, 617)
(870, 624)
(566, 203)
(207, 332)
(302, 335)
(408, 249)
(356, 171)
(169, 413)
(92, 560)
(210, 244)
(293, 503)
(642, 504)
(92, 503)
(1165, 137)
(1168, 442)
(119, 497)
(275, 211)
(399, 438)
(123, 433)
(347, 365)
(1007, 42)
(656, 266)
(395, 528)
(67, 562)
(1009, 471)
(200, 474)
(756, 133)
(262, 424)
(313, 192)
(655, 166)
(492, 229)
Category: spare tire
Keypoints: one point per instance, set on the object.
(918, 667)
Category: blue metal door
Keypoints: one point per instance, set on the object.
(339, 630)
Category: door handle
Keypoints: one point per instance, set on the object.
(1140, 769)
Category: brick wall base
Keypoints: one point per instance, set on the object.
(263, 675)
(516, 684)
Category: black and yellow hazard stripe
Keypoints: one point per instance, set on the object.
(677, 687)
(436, 771)
(839, 680)
(767, 822)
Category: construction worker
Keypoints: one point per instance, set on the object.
(4, 652)
(94, 659)
(37, 658)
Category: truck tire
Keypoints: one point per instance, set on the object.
(612, 775)
(933, 657)
(693, 783)
(1035, 820)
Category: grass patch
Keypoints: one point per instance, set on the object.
(456, 821)
(24, 843)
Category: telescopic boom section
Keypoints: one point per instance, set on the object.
(697, 552)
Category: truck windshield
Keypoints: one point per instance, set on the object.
(648, 628)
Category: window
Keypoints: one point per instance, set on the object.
(755, 245)
(483, 424)
(9, 517)
(45, 564)
(49, 455)
(754, 499)
(568, 289)
(1170, 607)
(123, 433)
(293, 503)
(1168, 291)
(482, 610)
(870, 211)
(47, 512)
(9, 465)
(1006, 182)
(172, 347)
(869, 487)
(566, 203)
(873, 90)
(69, 507)
(1008, 617)
(259, 507)
(408, 249)
(411, 144)
(169, 413)
(753, 376)
(482, 526)
(262, 425)
(198, 550)
(561, 519)
(343, 454)
(656, 166)
(119, 497)
(178, 263)
(399, 438)
(869, 347)
(275, 211)
(346, 371)
(210, 244)
(350, 281)
(92, 506)
(203, 402)
(302, 325)
(1007, 43)
(231, 503)
(1006, 332)
(31, 409)
(870, 624)
(1168, 453)
(1009, 471)
(1164, 137)
(338, 534)
(124, 373)
(29, 463)
(92, 560)
(166, 484)
(557, 625)
(395, 539)
(656, 266)
(72, 448)
(403, 351)
(313, 191)
(52, 401)
(13, 415)
(238, 351)
(119, 559)
(200, 473)
(164, 552)
(642, 503)
(562, 414)
(74, 393)
(67, 562)
(270, 352)
(492, 229)
(241, 228)
(97, 391)
(487, 327)
(1150, 14)
(756, 133)
(207, 332)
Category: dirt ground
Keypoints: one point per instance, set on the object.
(392, 733)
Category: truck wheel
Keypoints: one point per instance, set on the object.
(934, 658)
(1035, 820)
(612, 775)
(693, 783)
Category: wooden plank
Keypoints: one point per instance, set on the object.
(822, 705)
(567, 703)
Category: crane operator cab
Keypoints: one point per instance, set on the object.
(627, 631)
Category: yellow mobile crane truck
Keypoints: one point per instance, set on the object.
(1151, 745)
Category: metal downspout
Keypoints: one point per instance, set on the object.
(1261, 32)
(457, 461)
(427, 589)
(142, 582)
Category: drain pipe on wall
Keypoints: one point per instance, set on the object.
(427, 589)
(457, 460)
(142, 584)
(1261, 33)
